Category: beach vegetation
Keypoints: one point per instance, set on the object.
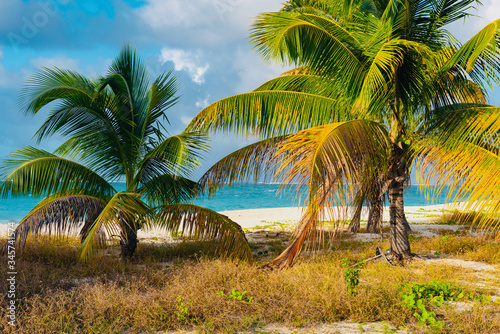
(377, 87)
(113, 128)
(172, 287)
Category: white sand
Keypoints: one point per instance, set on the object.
(255, 217)
(261, 217)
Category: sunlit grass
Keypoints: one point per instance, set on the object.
(178, 287)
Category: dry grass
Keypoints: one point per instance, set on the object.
(461, 245)
(59, 295)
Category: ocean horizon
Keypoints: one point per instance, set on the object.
(239, 197)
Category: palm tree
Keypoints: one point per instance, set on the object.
(372, 68)
(114, 132)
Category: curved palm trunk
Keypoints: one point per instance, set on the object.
(128, 239)
(355, 223)
(400, 246)
(375, 215)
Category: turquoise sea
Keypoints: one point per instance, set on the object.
(239, 197)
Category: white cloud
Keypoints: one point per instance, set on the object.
(252, 71)
(185, 120)
(61, 61)
(490, 10)
(185, 61)
(161, 14)
(209, 23)
(201, 104)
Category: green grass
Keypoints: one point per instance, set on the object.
(178, 287)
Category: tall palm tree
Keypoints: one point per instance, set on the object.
(114, 132)
(376, 68)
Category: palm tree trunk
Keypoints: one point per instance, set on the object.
(375, 216)
(128, 240)
(355, 223)
(400, 246)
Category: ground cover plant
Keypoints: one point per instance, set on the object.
(177, 287)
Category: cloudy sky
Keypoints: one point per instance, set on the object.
(204, 41)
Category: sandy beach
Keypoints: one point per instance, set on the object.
(288, 217)
(255, 217)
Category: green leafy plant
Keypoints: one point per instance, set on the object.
(236, 295)
(415, 296)
(182, 308)
(351, 276)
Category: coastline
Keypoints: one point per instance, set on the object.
(255, 218)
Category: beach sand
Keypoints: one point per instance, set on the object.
(288, 217)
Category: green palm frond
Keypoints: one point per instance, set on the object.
(168, 189)
(60, 214)
(308, 6)
(129, 80)
(49, 85)
(40, 173)
(321, 43)
(122, 209)
(269, 113)
(163, 97)
(83, 115)
(202, 223)
(176, 155)
(381, 75)
(479, 55)
(312, 84)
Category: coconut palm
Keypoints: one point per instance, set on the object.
(114, 132)
(383, 67)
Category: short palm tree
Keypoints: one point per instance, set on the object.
(113, 130)
(353, 116)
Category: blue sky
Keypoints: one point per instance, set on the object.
(205, 41)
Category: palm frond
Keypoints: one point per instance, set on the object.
(168, 189)
(128, 79)
(467, 160)
(40, 173)
(333, 162)
(379, 80)
(268, 113)
(49, 85)
(311, 84)
(321, 43)
(253, 161)
(60, 214)
(163, 97)
(203, 223)
(122, 209)
(479, 55)
(176, 155)
(83, 114)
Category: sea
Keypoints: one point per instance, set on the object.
(238, 197)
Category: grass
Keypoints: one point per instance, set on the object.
(183, 287)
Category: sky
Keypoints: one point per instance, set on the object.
(204, 41)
